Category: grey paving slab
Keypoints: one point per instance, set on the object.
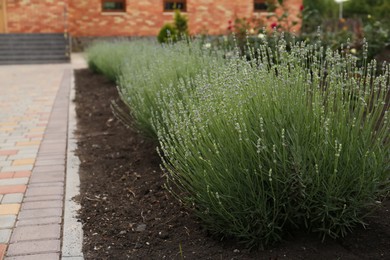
(12, 198)
(39, 221)
(42, 184)
(17, 168)
(39, 213)
(13, 181)
(5, 235)
(50, 168)
(34, 247)
(7, 221)
(43, 204)
(50, 162)
(47, 197)
(52, 256)
(5, 163)
(47, 177)
(27, 233)
(39, 191)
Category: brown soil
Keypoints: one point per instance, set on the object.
(127, 214)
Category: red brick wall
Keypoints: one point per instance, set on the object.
(32, 16)
(142, 17)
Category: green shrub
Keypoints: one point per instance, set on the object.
(259, 148)
(176, 31)
(167, 33)
(181, 24)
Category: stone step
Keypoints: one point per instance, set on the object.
(26, 52)
(34, 48)
(43, 61)
(31, 36)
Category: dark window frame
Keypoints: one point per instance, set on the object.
(168, 5)
(118, 10)
(260, 5)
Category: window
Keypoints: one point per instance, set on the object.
(114, 5)
(260, 5)
(172, 5)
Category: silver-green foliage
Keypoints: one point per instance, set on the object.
(143, 68)
(152, 70)
(294, 138)
(108, 57)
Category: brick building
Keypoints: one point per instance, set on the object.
(127, 17)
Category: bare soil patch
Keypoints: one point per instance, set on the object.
(127, 214)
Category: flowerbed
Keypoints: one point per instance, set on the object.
(290, 139)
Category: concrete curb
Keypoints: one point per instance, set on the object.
(72, 242)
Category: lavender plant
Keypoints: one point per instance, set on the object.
(143, 68)
(108, 57)
(152, 70)
(293, 139)
(259, 147)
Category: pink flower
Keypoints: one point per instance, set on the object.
(274, 25)
(230, 21)
(301, 8)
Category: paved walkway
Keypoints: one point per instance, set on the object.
(34, 113)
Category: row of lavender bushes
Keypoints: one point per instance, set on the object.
(293, 137)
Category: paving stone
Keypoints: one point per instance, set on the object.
(43, 204)
(47, 177)
(6, 175)
(13, 181)
(27, 161)
(7, 221)
(26, 233)
(5, 235)
(40, 191)
(17, 168)
(48, 197)
(8, 152)
(50, 162)
(12, 189)
(49, 168)
(39, 221)
(43, 184)
(5, 163)
(22, 174)
(9, 209)
(60, 141)
(3, 248)
(34, 247)
(24, 154)
(7, 146)
(48, 157)
(39, 213)
(12, 198)
(29, 143)
(52, 256)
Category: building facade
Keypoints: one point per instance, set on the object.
(129, 17)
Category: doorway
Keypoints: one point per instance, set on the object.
(2, 16)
